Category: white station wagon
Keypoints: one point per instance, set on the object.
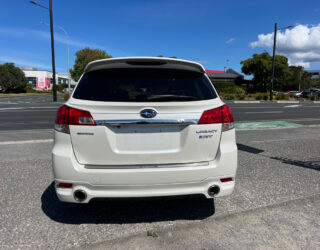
(143, 127)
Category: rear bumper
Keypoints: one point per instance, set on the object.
(143, 182)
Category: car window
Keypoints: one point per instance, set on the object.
(144, 85)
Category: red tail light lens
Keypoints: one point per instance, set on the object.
(211, 116)
(226, 114)
(80, 117)
(218, 115)
(70, 116)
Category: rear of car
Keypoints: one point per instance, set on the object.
(143, 127)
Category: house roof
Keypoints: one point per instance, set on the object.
(214, 71)
(230, 73)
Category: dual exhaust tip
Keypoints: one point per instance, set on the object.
(213, 190)
(80, 195)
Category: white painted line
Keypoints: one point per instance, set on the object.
(288, 102)
(246, 101)
(292, 106)
(25, 142)
(266, 112)
(8, 103)
(31, 131)
(26, 108)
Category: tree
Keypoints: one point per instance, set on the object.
(260, 66)
(297, 76)
(83, 57)
(12, 79)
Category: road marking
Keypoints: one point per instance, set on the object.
(265, 112)
(246, 102)
(262, 125)
(287, 101)
(44, 130)
(25, 142)
(292, 106)
(26, 108)
(8, 103)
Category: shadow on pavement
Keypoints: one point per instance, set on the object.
(117, 211)
(249, 149)
(305, 164)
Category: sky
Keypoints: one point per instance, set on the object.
(214, 33)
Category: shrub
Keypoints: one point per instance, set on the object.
(258, 96)
(265, 96)
(279, 96)
(229, 91)
(228, 96)
(66, 97)
(241, 97)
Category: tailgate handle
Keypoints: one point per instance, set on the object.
(147, 121)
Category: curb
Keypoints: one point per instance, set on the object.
(288, 101)
(246, 102)
(316, 101)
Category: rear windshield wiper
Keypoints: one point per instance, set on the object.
(164, 98)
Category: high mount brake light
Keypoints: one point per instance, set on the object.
(218, 115)
(70, 116)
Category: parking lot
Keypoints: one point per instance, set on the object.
(276, 202)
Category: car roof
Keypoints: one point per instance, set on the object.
(144, 62)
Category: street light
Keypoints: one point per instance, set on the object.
(67, 38)
(274, 55)
(54, 86)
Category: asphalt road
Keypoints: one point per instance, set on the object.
(277, 194)
(38, 112)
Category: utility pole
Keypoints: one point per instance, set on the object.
(54, 86)
(273, 59)
(68, 60)
(300, 80)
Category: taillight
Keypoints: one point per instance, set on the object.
(70, 116)
(218, 115)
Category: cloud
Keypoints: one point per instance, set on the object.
(301, 44)
(58, 37)
(22, 62)
(231, 40)
(33, 34)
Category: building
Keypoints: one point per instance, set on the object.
(315, 74)
(42, 79)
(224, 76)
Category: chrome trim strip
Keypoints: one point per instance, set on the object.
(147, 121)
(135, 166)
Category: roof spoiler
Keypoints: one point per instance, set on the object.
(144, 62)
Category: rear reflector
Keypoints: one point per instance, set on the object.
(226, 179)
(218, 115)
(65, 185)
(70, 116)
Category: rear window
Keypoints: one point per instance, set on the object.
(144, 85)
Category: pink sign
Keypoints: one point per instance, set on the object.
(41, 83)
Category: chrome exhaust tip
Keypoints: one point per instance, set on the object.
(213, 190)
(80, 195)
